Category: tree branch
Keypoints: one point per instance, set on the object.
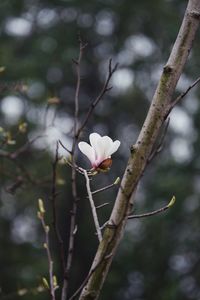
(105, 88)
(94, 213)
(159, 146)
(182, 95)
(53, 199)
(52, 287)
(141, 151)
(107, 187)
(73, 177)
(155, 212)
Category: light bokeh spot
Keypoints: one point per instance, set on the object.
(12, 107)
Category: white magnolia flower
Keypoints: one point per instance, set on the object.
(100, 151)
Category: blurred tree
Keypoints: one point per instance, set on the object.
(159, 256)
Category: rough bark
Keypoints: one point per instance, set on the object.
(160, 107)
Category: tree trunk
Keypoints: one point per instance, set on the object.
(160, 107)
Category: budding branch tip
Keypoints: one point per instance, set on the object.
(172, 201)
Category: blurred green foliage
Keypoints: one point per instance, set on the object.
(159, 256)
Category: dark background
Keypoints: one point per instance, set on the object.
(159, 256)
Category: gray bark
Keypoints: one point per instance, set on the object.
(160, 107)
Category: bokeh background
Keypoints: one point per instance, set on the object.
(159, 257)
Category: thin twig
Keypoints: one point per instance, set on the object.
(75, 166)
(104, 225)
(76, 135)
(25, 147)
(160, 145)
(26, 175)
(88, 277)
(102, 205)
(94, 213)
(105, 88)
(155, 212)
(53, 199)
(13, 156)
(24, 172)
(52, 286)
(78, 169)
(182, 95)
(64, 147)
(52, 290)
(21, 150)
(106, 187)
(73, 178)
(14, 186)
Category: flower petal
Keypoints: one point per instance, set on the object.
(94, 137)
(87, 150)
(107, 142)
(103, 146)
(114, 147)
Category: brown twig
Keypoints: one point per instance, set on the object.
(19, 151)
(160, 145)
(88, 277)
(13, 156)
(105, 88)
(24, 172)
(76, 167)
(24, 148)
(170, 204)
(64, 147)
(73, 178)
(53, 198)
(52, 286)
(182, 95)
(76, 134)
(15, 185)
(20, 166)
(155, 212)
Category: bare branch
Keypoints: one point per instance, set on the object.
(53, 199)
(160, 145)
(88, 277)
(105, 89)
(107, 187)
(76, 167)
(182, 95)
(94, 213)
(73, 177)
(14, 186)
(13, 156)
(102, 205)
(25, 175)
(24, 148)
(21, 150)
(64, 147)
(104, 225)
(155, 212)
(24, 172)
(52, 286)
